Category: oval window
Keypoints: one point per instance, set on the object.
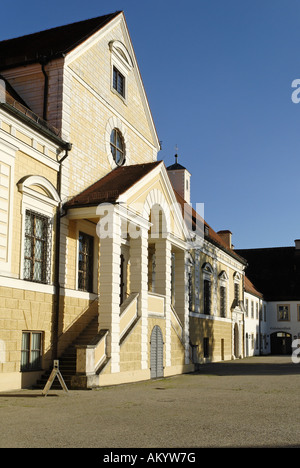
(117, 147)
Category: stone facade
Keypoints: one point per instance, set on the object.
(147, 274)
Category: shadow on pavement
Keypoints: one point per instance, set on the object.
(281, 365)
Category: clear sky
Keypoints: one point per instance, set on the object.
(218, 75)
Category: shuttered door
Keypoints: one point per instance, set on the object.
(156, 353)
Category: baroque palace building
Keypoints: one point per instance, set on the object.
(104, 263)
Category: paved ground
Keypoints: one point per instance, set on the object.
(253, 402)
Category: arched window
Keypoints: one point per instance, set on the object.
(117, 147)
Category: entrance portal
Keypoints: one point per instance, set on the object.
(281, 343)
(156, 353)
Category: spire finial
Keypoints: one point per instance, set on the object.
(176, 155)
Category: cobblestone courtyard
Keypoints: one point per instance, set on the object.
(252, 402)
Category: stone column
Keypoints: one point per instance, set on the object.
(163, 286)
(139, 284)
(109, 287)
(181, 296)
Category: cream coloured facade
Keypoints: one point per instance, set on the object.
(99, 266)
(29, 176)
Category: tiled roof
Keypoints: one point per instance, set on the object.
(175, 167)
(274, 271)
(199, 224)
(110, 187)
(51, 43)
(250, 288)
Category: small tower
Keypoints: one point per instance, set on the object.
(180, 179)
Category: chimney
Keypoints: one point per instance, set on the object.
(297, 244)
(226, 237)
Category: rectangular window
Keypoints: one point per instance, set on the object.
(252, 309)
(207, 297)
(283, 313)
(85, 262)
(118, 82)
(247, 307)
(222, 301)
(31, 351)
(37, 251)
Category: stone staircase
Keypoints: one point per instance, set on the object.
(67, 361)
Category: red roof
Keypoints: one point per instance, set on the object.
(110, 187)
(51, 43)
(250, 288)
(199, 224)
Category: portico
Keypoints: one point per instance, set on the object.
(141, 272)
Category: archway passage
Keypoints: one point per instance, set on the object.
(281, 343)
(156, 353)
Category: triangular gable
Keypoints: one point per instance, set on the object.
(84, 46)
(155, 188)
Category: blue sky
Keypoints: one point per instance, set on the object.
(218, 76)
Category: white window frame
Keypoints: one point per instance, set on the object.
(121, 60)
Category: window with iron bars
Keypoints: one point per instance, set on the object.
(222, 301)
(85, 262)
(207, 297)
(37, 248)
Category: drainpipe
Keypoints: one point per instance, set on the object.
(43, 62)
(57, 256)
